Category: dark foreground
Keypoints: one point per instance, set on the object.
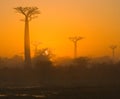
(61, 93)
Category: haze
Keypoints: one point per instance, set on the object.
(98, 21)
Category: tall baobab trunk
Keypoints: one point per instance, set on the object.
(29, 13)
(27, 44)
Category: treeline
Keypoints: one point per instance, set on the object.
(82, 71)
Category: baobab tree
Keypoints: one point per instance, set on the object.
(113, 47)
(29, 13)
(75, 41)
(36, 45)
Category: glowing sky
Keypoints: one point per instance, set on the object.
(98, 21)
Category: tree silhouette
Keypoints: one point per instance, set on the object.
(75, 41)
(29, 13)
(113, 47)
(36, 45)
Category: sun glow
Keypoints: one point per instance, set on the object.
(96, 21)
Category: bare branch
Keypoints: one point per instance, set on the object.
(20, 10)
(75, 39)
(29, 12)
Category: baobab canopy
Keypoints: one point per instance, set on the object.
(29, 12)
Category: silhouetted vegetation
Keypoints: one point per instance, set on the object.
(81, 71)
(80, 78)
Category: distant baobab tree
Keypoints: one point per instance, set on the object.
(29, 13)
(75, 41)
(36, 44)
(113, 47)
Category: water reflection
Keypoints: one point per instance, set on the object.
(2, 95)
(22, 95)
(39, 96)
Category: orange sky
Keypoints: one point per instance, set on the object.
(98, 21)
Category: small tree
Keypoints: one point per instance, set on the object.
(29, 13)
(43, 65)
(43, 57)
